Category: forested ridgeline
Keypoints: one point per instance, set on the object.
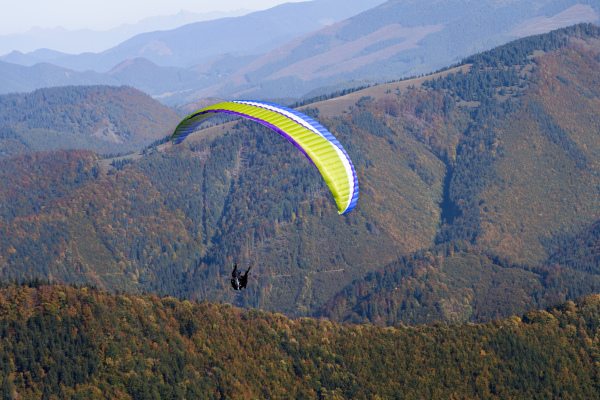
(455, 283)
(503, 71)
(66, 342)
(101, 118)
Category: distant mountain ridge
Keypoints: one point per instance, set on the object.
(191, 44)
(65, 42)
(393, 40)
(288, 52)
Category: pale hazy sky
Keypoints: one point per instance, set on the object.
(18, 16)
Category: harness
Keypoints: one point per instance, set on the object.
(235, 283)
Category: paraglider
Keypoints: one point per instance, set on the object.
(239, 281)
(310, 137)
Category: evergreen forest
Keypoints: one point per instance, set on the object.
(83, 343)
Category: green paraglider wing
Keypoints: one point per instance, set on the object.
(310, 137)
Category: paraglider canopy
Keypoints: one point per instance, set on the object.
(310, 137)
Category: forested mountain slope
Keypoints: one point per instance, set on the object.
(581, 252)
(176, 221)
(100, 118)
(532, 178)
(455, 284)
(59, 341)
(439, 164)
(522, 186)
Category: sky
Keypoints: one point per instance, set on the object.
(18, 16)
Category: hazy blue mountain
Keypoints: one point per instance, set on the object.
(87, 40)
(396, 39)
(254, 33)
(140, 73)
(150, 78)
(17, 78)
(32, 58)
(301, 50)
